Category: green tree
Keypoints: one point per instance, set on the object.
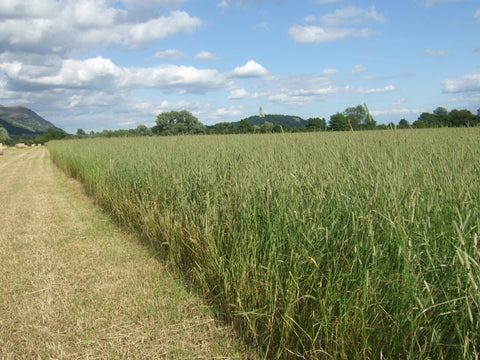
(81, 133)
(338, 122)
(245, 127)
(4, 137)
(442, 118)
(316, 123)
(419, 124)
(356, 116)
(224, 128)
(142, 130)
(430, 120)
(403, 124)
(50, 134)
(461, 118)
(178, 122)
(267, 127)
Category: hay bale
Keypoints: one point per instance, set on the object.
(1, 149)
(20, 146)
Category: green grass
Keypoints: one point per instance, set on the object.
(319, 245)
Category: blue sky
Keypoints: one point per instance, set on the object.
(99, 64)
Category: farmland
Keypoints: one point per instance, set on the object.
(319, 245)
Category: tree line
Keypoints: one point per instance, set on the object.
(183, 122)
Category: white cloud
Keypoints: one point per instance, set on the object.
(477, 15)
(225, 113)
(337, 26)
(399, 102)
(467, 83)
(66, 27)
(317, 34)
(205, 55)
(430, 3)
(368, 91)
(437, 53)
(310, 18)
(250, 69)
(359, 69)
(170, 53)
(159, 28)
(102, 74)
(328, 71)
(401, 112)
(328, 1)
(239, 94)
(351, 15)
(223, 4)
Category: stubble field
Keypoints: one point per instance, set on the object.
(75, 286)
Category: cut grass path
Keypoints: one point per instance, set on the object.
(75, 286)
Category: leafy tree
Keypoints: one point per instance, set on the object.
(4, 137)
(277, 128)
(419, 124)
(316, 123)
(430, 120)
(81, 133)
(50, 134)
(338, 122)
(178, 122)
(403, 124)
(245, 127)
(267, 127)
(442, 117)
(460, 118)
(142, 130)
(356, 116)
(224, 128)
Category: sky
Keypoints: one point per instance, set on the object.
(100, 64)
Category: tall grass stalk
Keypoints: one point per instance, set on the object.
(324, 245)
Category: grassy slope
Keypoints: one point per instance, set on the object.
(73, 286)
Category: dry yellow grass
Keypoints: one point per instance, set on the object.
(74, 286)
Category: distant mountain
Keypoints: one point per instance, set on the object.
(284, 120)
(19, 120)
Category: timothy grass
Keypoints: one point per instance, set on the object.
(324, 245)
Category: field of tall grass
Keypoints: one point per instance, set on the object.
(316, 245)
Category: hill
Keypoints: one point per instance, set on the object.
(284, 120)
(19, 120)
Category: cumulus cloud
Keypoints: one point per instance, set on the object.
(430, 3)
(368, 91)
(467, 83)
(205, 55)
(250, 69)
(50, 26)
(359, 69)
(340, 25)
(170, 53)
(316, 34)
(399, 102)
(239, 94)
(328, 71)
(397, 112)
(437, 53)
(327, 1)
(101, 73)
(351, 15)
